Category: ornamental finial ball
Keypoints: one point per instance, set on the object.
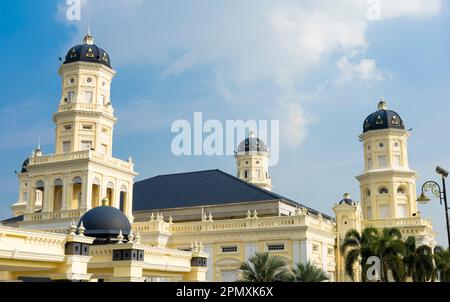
(382, 105)
(105, 202)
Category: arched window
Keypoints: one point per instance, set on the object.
(77, 180)
(401, 190)
(40, 184)
(383, 190)
(58, 182)
(367, 193)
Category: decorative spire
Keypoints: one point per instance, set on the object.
(346, 195)
(131, 237)
(81, 229)
(88, 39)
(120, 238)
(72, 228)
(255, 214)
(382, 105)
(249, 214)
(138, 238)
(252, 134)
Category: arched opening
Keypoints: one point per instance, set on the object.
(95, 193)
(367, 193)
(76, 193)
(401, 190)
(39, 196)
(57, 194)
(123, 199)
(383, 190)
(110, 193)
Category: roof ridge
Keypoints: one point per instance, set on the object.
(182, 173)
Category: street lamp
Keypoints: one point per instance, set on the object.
(441, 194)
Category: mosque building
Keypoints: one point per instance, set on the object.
(81, 217)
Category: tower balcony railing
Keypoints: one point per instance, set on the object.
(81, 155)
(86, 107)
(76, 213)
(397, 222)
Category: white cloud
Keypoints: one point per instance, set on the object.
(364, 71)
(410, 8)
(246, 43)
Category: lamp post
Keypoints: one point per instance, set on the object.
(441, 194)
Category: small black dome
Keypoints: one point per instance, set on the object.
(347, 200)
(252, 143)
(25, 165)
(88, 52)
(383, 119)
(105, 223)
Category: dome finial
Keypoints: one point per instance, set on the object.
(252, 134)
(88, 39)
(382, 105)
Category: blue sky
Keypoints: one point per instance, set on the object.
(319, 68)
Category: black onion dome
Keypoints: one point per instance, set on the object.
(25, 165)
(88, 52)
(347, 200)
(383, 119)
(252, 143)
(105, 223)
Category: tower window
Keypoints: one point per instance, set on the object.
(88, 97)
(400, 190)
(385, 211)
(87, 127)
(369, 163)
(246, 174)
(383, 190)
(66, 147)
(70, 96)
(103, 100)
(382, 163)
(67, 127)
(398, 160)
(381, 145)
(103, 149)
(86, 145)
(367, 193)
(369, 212)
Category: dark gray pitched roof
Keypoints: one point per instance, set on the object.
(13, 219)
(202, 188)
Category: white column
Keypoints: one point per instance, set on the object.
(324, 257)
(67, 193)
(305, 251)
(129, 202)
(296, 252)
(209, 274)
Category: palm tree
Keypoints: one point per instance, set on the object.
(442, 263)
(309, 273)
(418, 261)
(387, 246)
(265, 268)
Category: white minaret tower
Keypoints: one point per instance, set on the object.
(85, 120)
(82, 171)
(388, 185)
(252, 162)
